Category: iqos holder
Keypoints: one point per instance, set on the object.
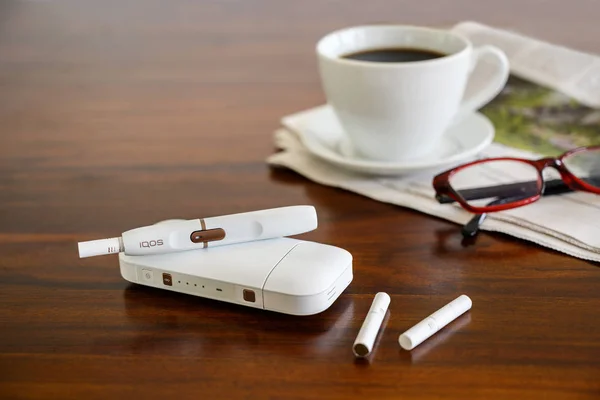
(206, 232)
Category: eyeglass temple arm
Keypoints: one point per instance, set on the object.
(552, 187)
(471, 228)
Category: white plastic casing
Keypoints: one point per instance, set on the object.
(285, 275)
(263, 224)
(173, 236)
(164, 237)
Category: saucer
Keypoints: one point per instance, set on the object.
(323, 136)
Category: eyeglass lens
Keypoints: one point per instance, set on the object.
(585, 165)
(494, 173)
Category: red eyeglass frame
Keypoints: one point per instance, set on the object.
(441, 182)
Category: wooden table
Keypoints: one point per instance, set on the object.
(117, 114)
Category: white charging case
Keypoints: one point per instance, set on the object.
(285, 275)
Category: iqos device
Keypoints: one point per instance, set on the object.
(181, 235)
(285, 275)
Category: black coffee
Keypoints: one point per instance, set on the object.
(394, 55)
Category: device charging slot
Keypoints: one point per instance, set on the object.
(221, 289)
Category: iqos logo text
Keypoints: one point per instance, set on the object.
(151, 243)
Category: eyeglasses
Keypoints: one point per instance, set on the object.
(497, 184)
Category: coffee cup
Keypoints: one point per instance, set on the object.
(396, 89)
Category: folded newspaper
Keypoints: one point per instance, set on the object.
(550, 105)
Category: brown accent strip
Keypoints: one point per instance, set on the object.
(203, 225)
(207, 235)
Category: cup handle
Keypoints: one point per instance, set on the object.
(496, 73)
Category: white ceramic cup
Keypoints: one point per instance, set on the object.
(398, 111)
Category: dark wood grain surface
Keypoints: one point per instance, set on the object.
(117, 114)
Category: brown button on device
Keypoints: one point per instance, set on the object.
(249, 295)
(208, 235)
(167, 280)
